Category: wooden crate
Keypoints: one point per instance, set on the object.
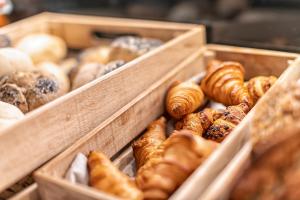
(117, 131)
(48, 130)
(221, 187)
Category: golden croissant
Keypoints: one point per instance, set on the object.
(106, 177)
(184, 99)
(213, 64)
(225, 84)
(144, 147)
(181, 154)
(230, 118)
(198, 122)
(259, 85)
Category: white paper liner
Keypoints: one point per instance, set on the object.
(78, 172)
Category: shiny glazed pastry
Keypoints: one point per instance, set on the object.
(144, 147)
(43, 47)
(229, 119)
(259, 85)
(225, 84)
(184, 98)
(199, 122)
(106, 177)
(181, 154)
(29, 90)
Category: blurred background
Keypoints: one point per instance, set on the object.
(270, 24)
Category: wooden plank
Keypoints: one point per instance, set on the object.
(30, 193)
(75, 28)
(46, 131)
(255, 61)
(220, 188)
(117, 131)
(19, 29)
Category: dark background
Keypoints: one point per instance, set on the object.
(271, 24)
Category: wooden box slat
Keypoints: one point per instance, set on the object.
(48, 130)
(114, 134)
(221, 187)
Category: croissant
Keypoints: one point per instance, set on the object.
(225, 84)
(182, 153)
(199, 122)
(184, 99)
(106, 177)
(259, 85)
(144, 147)
(213, 64)
(230, 118)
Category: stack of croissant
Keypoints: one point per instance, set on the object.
(223, 83)
(164, 163)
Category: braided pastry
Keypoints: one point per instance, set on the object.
(225, 84)
(184, 99)
(106, 177)
(144, 147)
(198, 122)
(259, 85)
(232, 116)
(182, 153)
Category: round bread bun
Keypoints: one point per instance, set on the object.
(43, 47)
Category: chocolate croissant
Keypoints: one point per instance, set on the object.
(259, 85)
(199, 122)
(182, 153)
(230, 118)
(144, 147)
(106, 177)
(184, 99)
(225, 84)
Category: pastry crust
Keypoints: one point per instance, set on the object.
(106, 177)
(145, 147)
(259, 85)
(181, 154)
(183, 99)
(223, 126)
(199, 122)
(225, 84)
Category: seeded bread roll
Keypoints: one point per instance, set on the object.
(29, 90)
(128, 48)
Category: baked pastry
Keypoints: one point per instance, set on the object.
(213, 64)
(229, 119)
(259, 85)
(9, 114)
(86, 72)
(99, 55)
(225, 84)
(13, 60)
(181, 154)
(58, 73)
(29, 90)
(184, 98)
(275, 171)
(128, 48)
(106, 177)
(145, 146)
(43, 47)
(199, 122)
